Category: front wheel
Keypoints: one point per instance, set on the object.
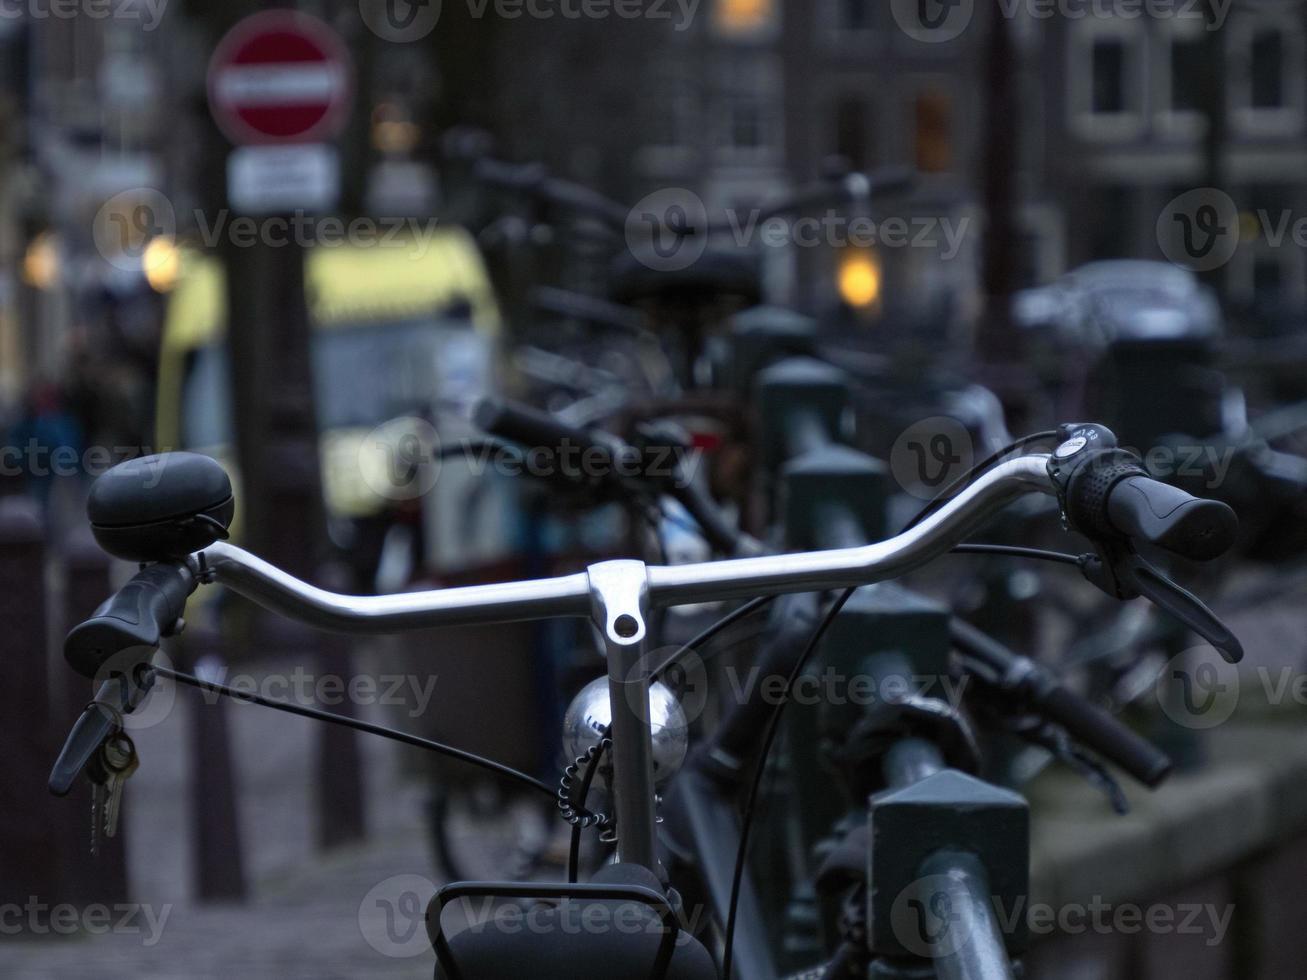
(483, 832)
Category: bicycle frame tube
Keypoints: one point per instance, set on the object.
(980, 953)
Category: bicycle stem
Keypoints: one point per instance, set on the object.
(613, 585)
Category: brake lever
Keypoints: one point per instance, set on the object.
(1123, 573)
(1056, 741)
(100, 720)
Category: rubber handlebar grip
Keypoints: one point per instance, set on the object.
(530, 427)
(1102, 732)
(139, 614)
(1166, 517)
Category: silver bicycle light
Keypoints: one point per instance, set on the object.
(591, 712)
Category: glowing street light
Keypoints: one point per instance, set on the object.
(858, 278)
(161, 261)
(41, 262)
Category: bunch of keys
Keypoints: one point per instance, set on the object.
(109, 771)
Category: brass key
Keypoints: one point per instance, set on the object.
(120, 761)
(97, 816)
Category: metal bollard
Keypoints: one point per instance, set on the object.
(763, 335)
(342, 817)
(27, 810)
(801, 404)
(219, 857)
(338, 778)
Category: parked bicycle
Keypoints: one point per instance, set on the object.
(171, 513)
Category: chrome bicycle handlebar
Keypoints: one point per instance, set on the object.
(573, 595)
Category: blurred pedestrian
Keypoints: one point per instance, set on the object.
(45, 443)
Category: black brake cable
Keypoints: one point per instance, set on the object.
(592, 766)
(479, 447)
(965, 479)
(773, 725)
(363, 726)
(710, 631)
(1016, 551)
(583, 791)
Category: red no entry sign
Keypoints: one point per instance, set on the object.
(280, 76)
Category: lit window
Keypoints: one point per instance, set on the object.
(737, 17)
(934, 140)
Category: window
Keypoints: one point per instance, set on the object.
(1108, 214)
(1268, 201)
(744, 18)
(1041, 254)
(1268, 279)
(851, 133)
(749, 121)
(1263, 270)
(746, 122)
(1187, 74)
(1267, 74)
(853, 15)
(1109, 82)
(672, 112)
(1030, 244)
(933, 112)
(1106, 79)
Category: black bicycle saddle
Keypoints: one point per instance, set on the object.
(616, 940)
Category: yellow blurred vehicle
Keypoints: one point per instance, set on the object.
(400, 333)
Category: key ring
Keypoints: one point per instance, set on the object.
(113, 745)
(115, 713)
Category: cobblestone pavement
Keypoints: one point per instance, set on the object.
(355, 912)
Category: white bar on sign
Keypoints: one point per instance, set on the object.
(255, 85)
(283, 179)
